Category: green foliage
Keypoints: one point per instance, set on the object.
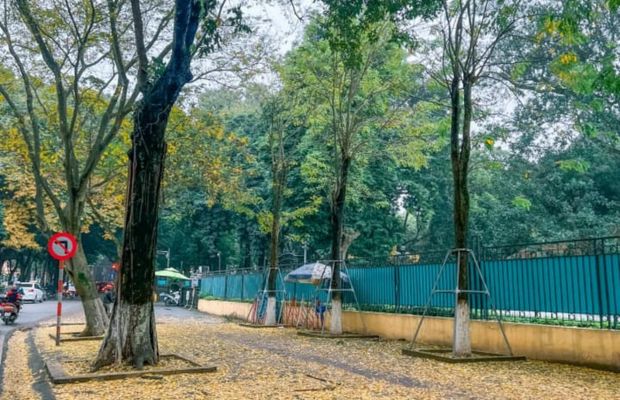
(580, 166)
(3, 232)
(355, 111)
(522, 202)
(214, 25)
(352, 88)
(348, 22)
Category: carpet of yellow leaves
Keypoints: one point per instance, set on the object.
(278, 364)
(17, 379)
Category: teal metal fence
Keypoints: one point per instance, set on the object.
(569, 283)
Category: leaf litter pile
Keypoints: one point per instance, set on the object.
(278, 364)
(17, 379)
(83, 366)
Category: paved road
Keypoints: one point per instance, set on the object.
(172, 313)
(33, 313)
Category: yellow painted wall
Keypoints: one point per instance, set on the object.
(225, 308)
(592, 347)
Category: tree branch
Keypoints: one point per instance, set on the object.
(141, 51)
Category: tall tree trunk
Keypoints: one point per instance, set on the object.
(12, 268)
(81, 275)
(272, 281)
(276, 212)
(51, 266)
(460, 164)
(26, 267)
(94, 311)
(348, 237)
(132, 336)
(337, 227)
(247, 248)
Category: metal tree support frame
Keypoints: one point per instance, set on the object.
(329, 290)
(567, 283)
(485, 291)
(263, 294)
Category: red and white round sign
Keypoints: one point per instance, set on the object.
(62, 246)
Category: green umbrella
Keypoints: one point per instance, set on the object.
(171, 273)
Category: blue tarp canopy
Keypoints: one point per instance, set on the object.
(313, 274)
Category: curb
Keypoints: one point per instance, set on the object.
(4, 342)
(41, 384)
(58, 375)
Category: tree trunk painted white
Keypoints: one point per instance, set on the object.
(270, 315)
(335, 325)
(461, 346)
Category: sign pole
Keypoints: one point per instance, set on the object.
(61, 246)
(61, 269)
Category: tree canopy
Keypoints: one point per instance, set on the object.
(544, 132)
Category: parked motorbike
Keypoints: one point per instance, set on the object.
(51, 292)
(171, 299)
(9, 312)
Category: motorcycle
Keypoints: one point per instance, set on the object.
(9, 312)
(171, 299)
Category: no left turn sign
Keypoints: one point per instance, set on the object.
(62, 246)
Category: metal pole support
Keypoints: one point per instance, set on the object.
(61, 269)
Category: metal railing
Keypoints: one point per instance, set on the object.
(574, 283)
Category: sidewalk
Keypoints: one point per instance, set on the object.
(276, 363)
(30, 316)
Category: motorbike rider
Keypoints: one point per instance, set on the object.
(108, 298)
(13, 296)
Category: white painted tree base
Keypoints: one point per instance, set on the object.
(270, 315)
(335, 326)
(461, 346)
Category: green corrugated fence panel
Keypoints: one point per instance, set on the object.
(374, 285)
(612, 281)
(234, 287)
(251, 285)
(213, 286)
(416, 283)
(552, 284)
(575, 285)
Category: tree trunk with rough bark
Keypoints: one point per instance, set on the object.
(94, 311)
(132, 337)
(81, 274)
(279, 174)
(272, 282)
(278, 183)
(337, 227)
(348, 237)
(460, 152)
